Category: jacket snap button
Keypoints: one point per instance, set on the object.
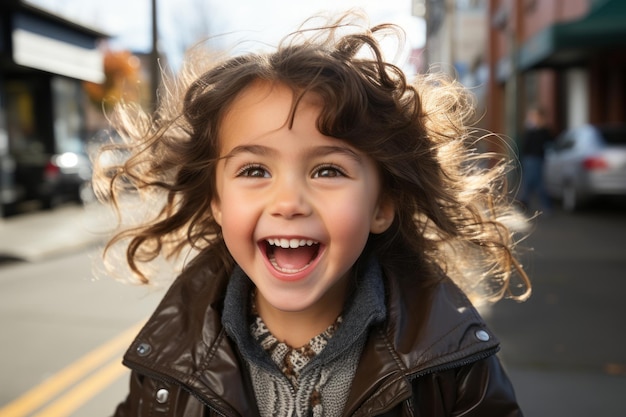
(482, 335)
(162, 395)
(144, 349)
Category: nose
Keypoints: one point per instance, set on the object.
(290, 199)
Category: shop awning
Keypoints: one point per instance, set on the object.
(46, 42)
(571, 43)
(48, 54)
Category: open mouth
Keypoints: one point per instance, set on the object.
(291, 255)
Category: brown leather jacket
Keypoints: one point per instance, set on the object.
(433, 357)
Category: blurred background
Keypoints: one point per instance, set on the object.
(64, 63)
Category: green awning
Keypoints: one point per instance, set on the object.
(571, 43)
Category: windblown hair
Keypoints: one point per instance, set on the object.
(452, 206)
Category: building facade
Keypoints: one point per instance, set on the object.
(567, 56)
(43, 61)
(456, 42)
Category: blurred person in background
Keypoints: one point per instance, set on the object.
(535, 139)
(328, 204)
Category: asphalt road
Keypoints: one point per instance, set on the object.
(59, 332)
(565, 348)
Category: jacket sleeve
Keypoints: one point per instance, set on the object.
(484, 389)
(479, 389)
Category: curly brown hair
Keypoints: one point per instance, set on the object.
(452, 205)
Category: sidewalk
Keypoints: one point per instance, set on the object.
(40, 235)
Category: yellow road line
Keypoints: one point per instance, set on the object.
(84, 391)
(37, 396)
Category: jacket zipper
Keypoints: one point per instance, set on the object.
(169, 380)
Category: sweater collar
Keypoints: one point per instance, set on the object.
(364, 308)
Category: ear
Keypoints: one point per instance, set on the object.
(216, 210)
(383, 216)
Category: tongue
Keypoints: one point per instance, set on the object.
(296, 258)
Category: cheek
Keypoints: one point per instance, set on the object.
(234, 216)
(350, 223)
(351, 217)
(237, 239)
(238, 221)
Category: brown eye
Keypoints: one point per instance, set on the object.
(254, 171)
(328, 171)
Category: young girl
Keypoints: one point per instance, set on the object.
(328, 204)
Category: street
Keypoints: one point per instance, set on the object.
(63, 333)
(565, 347)
(53, 313)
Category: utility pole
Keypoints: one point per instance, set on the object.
(514, 90)
(155, 73)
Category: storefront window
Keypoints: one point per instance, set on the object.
(67, 97)
(25, 138)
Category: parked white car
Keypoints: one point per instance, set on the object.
(586, 162)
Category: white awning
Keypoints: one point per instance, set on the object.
(58, 57)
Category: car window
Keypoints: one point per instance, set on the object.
(614, 135)
(565, 141)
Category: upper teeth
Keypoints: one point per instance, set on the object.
(290, 243)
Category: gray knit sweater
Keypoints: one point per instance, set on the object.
(329, 373)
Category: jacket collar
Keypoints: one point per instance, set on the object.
(429, 328)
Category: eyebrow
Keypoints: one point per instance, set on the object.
(318, 151)
(329, 150)
(253, 149)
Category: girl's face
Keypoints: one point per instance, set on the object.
(296, 207)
